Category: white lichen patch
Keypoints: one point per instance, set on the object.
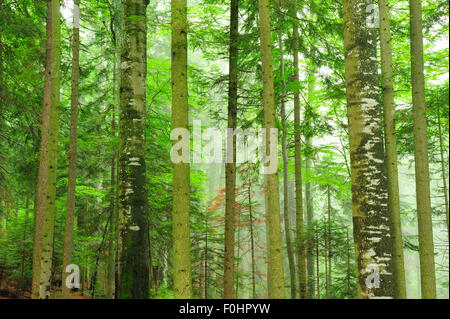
(134, 227)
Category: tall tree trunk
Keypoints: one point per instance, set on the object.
(71, 182)
(133, 205)
(371, 225)
(50, 195)
(252, 238)
(309, 194)
(230, 177)
(181, 190)
(329, 245)
(444, 173)
(316, 243)
(301, 250)
(349, 294)
(111, 267)
(43, 161)
(287, 226)
(426, 247)
(276, 276)
(25, 226)
(391, 152)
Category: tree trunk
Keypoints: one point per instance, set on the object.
(252, 239)
(444, 173)
(287, 226)
(391, 152)
(301, 251)
(309, 195)
(71, 183)
(43, 162)
(50, 194)
(230, 177)
(426, 247)
(133, 205)
(181, 189)
(371, 225)
(276, 276)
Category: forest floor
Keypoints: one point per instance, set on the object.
(10, 289)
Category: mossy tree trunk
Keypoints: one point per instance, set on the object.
(371, 226)
(133, 205)
(182, 280)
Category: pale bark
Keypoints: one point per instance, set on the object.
(371, 226)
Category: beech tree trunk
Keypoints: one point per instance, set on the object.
(133, 205)
(371, 226)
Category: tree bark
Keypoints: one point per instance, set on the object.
(301, 250)
(71, 182)
(43, 162)
(181, 190)
(50, 194)
(276, 276)
(230, 176)
(287, 226)
(371, 227)
(133, 205)
(426, 247)
(391, 152)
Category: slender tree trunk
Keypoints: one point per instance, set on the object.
(181, 195)
(349, 293)
(230, 177)
(371, 227)
(287, 226)
(43, 162)
(252, 238)
(444, 173)
(309, 195)
(50, 195)
(426, 247)
(391, 152)
(301, 251)
(111, 269)
(133, 205)
(325, 257)
(71, 183)
(276, 276)
(206, 259)
(22, 272)
(316, 242)
(329, 245)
